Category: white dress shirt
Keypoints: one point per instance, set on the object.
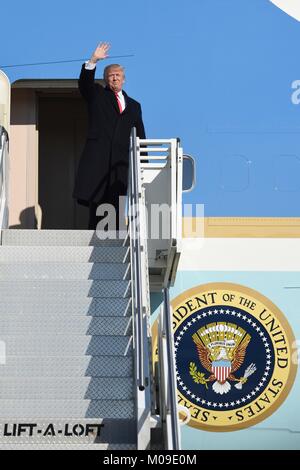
(90, 66)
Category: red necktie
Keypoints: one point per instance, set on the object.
(119, 102)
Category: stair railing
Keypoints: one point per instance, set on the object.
(167, 377)
(155, 176)
(161, 166)
(3, 178)
(140, 293)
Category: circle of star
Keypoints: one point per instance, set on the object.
(251, 323)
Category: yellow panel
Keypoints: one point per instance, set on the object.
(219, 227)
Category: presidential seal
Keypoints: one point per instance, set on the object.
(233, 355)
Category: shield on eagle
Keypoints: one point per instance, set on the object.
(221, 370)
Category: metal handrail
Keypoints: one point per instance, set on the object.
(135, 240)
(3, 172)
(172, 383)
(172, 154)
(3, 133)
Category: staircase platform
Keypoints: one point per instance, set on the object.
(33, 237)
(97, 447)
(67, 254)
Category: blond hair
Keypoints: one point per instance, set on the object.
(111, 66)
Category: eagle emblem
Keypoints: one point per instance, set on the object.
(221, 349)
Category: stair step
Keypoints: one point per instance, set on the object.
(98, 307)
(31, 409)
(67, 366)
(53, 431)
(64, 271)
(13, 324)
(67, 254)
(97, 447)
(46, 288)
(72, 388)
(66, 345)
(56, 238)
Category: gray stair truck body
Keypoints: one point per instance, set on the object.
(66, 370)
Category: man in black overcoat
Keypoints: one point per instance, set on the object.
(102, 173)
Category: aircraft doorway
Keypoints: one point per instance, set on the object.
(62, 129)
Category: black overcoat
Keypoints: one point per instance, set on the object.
(103, 167)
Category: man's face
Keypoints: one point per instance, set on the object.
(115, 79)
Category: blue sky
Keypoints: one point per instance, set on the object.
(216, 73)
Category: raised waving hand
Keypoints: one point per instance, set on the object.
(101, 52)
